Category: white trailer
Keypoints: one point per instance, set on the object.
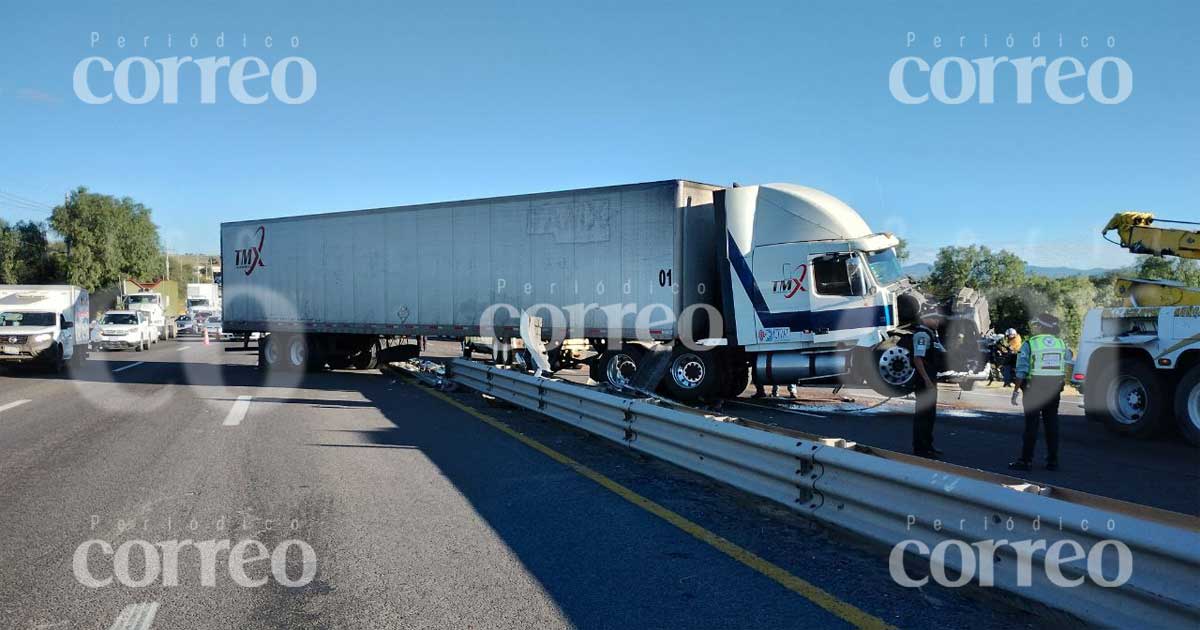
(43, 325)
(713, 280)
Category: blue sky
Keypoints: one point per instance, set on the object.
(418, 103)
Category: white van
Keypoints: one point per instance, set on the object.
(43, 325)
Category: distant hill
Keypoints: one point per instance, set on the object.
(921, 270)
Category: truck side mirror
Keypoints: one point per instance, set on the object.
(854, 272)
(68, 325)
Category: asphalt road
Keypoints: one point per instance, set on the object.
(418, 511)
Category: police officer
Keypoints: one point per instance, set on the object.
(1041, 372)
(927, 357)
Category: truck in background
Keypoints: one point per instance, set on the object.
(203, 300)
(43, 325)
(154, 305)
(697, 285)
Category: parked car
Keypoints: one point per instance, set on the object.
(126, 330)
(184, 325)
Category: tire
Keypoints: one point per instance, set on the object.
(889, 369)
(367, 359)
(466, 350)
(296, 353)
(618, 367)
(1187, 405)
(270, 354)
(966, 385)
(737, 379)
(141, 345)
(1134, 398)
(693, 376)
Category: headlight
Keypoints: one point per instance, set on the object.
(40, 338)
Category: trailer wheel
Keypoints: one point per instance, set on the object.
(617, 367)
(1135, 399)
(297, 353)
(466, 350)
(1187, 405)
(268, 352)
(692, 375)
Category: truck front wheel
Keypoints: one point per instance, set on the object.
(1134, 398)
(693, 376)
(887, 369)
(1187, 405)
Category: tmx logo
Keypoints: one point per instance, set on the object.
(790, 285)
(250, 258)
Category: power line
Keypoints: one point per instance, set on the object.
(18, 201)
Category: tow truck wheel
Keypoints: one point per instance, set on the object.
(617, 367)
(1187, 405)
(693, 375)
(1135, 399)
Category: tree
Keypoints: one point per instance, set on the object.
(977, 267)
(1156, 268)
(902, 252)
(25, 254)
(107, 239)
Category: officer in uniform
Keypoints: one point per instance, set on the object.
(927, 358)
(1041, 373)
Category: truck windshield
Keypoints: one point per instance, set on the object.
(885, 266)
(142, 299)
(120, 318)
(197, 302)
(26, 319)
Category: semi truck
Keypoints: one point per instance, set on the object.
(705, 283)
(43, 326)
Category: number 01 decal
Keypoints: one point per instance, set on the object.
(664, 277)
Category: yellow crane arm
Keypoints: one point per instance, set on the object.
(1140, 237)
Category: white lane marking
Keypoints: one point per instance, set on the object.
(238, 411)
(136, 616)
(126, 367)
(13, 405)
(183, 348)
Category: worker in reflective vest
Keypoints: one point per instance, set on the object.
(1041, 374)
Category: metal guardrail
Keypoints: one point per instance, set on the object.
(889, 501)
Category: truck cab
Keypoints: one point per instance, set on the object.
(809, 282)
(154, 305)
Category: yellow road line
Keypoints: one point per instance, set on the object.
(815, 594)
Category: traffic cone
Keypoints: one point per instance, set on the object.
(206, 335)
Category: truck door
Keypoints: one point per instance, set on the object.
(839, 301)
(782, 278)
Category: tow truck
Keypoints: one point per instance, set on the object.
(1138, 364)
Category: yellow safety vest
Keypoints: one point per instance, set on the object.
(1047, 356)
